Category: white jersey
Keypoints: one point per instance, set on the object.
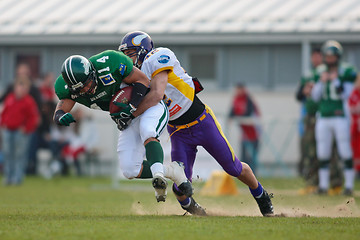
(180, 90)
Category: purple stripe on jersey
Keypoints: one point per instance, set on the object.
(208, 135)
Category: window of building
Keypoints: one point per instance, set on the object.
(203, 66)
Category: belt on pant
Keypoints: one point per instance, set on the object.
(201, 118)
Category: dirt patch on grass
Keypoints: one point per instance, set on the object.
(316, 207)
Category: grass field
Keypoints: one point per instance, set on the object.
(90, 208)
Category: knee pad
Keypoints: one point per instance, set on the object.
(131, 173)
(130, 163)
(176, 190)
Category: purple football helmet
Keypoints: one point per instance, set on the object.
(141, 42)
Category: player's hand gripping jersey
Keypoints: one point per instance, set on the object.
(180, 90)
(111, 68)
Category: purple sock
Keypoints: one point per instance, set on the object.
(185, 202)
(257, 192)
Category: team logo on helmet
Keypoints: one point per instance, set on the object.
(87, 66)
(137, 40)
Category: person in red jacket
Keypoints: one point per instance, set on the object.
(19, 118)
(354, 106)
(248, 114)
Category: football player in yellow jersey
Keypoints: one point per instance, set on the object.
(192, 123)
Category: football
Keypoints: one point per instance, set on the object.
(122, 96)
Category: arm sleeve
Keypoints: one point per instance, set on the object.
(317, 91)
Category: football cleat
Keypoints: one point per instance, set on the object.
(159, 183)
(322, 191)
(308, 190)
(348, 192)
(175, 172)
(334, 191)
(265, 205)
(194, 208)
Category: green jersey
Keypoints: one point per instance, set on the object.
(332, 101)
(111, 68)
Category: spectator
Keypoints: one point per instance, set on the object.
(245, 107)
(1, 157)
(69, 144)
(43, 136)
(75, 147)
(308, 165)
(19, 119)
(58, 141)
(47, 88)
(354, 105)
(23, 71)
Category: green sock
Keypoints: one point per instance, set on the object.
(154, 153)
(146, 172)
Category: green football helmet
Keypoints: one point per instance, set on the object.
(79, 73)
(332, 47)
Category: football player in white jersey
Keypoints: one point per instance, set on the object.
(192, 123)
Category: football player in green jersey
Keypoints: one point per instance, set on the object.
(334, 81)
(93, 82)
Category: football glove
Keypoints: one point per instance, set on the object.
(124, 117)
(64, 119)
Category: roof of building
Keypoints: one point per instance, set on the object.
(50, 19)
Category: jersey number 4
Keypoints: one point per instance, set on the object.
(102, 59)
